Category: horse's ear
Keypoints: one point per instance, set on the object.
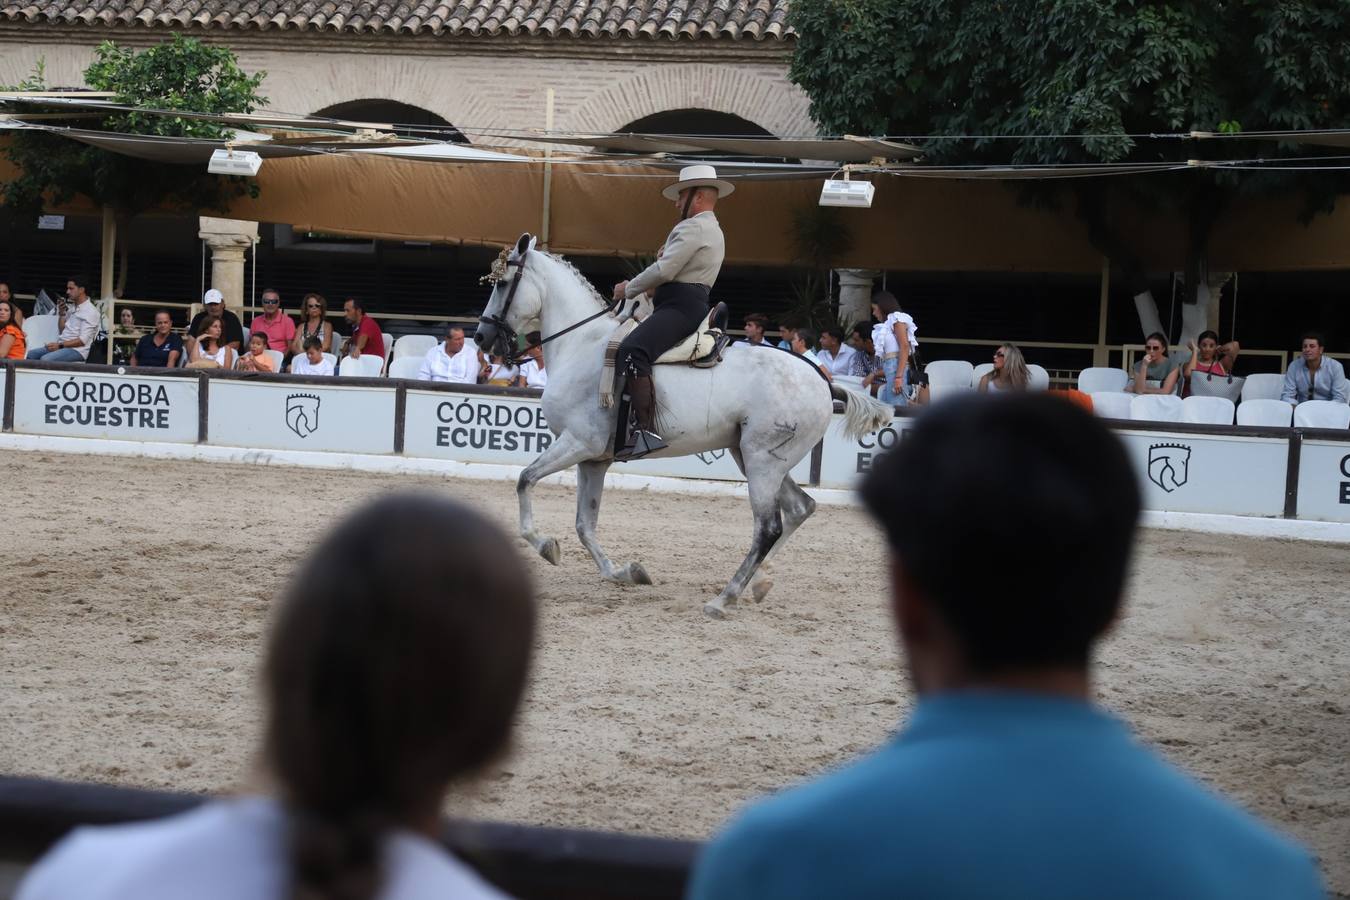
(526, 242)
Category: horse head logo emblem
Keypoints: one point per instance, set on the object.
(1169, 465)
(302, 414)
(709, 457)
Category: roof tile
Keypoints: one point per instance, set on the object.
(625, 19)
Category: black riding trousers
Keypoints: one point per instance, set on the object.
(679, 309)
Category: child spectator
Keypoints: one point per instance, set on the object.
(312, 361)
(256, 359)
(377, 701)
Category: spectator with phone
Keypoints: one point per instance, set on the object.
(78, 323)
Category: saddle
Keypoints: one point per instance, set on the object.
(702, 349)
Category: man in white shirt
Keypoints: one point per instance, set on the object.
(79, 326)
(834, 354)
(802, 339)
(455, 361)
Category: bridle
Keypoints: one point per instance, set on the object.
(507, 338)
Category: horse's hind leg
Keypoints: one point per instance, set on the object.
(564, 452)
(796, 506)
(590, 485)
(764, 487)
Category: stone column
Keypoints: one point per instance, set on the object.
(855, 293)
(229, 240)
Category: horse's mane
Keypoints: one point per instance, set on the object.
(576, 273)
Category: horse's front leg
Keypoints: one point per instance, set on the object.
(566, 451)
(590, 485)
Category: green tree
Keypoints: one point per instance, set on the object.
(1013, 77)
(178, 74)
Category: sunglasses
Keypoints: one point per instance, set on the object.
(998, 355)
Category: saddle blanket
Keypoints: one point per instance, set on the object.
(695, 347)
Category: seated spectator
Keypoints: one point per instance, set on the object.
(1007, 780)
(6, 295)
(755, 323)
(126, 321)
(377, 701)
(532, 372)
(1156, 366)
(786, 329)
(1009, 372)
(313, 323)
(500, 372)
(366, 336)
(279, 327)
(256, 359)
(865, 364)
(1312, 376)
(311, 361)
(78, 322)
(834, 354)
(13, 342)
(232, 333)
(454, 362)
(160, 348)
(802, 341)
(207, 348)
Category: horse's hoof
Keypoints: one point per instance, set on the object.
(760, 589)
(713, 611)
(550, 551)
(636, 574)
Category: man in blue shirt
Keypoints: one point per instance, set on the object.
(1010, 522)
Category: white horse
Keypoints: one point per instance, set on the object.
(768, 407)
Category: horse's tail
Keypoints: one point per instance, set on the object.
(861, 412)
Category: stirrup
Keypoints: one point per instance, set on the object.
(640, 443)
(720, 343)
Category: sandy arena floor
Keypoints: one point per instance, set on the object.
(129, 637)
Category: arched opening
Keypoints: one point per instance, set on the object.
(696, 121)
(408, 120)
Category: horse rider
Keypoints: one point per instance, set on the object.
(682, 276)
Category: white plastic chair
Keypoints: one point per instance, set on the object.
(1102, 378)
(949, 372)
(979, 372)
(1111, 404)
(366, 366)
(332, 358)
(277, 359)
(414, 345)
(39, 330)
(1039, 380)
(243, 348)
(1322, 414)
(405, 367)
(1267, 413)
(1155, 408)
(1207, 410)
(1264, 386)
(388, 350)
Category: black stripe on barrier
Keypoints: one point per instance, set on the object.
(400, 415)
(1291, 475)
(203, 407)
(10, 382)
(529, 862)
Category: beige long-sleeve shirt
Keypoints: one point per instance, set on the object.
(693, 254)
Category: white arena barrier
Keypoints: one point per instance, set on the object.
(1291, 473)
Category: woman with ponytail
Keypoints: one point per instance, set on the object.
(395, 667)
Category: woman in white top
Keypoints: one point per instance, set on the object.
(206, 350)
(377, 700)
(895, 340)
(1009, 373)
(500, 372)
(532, 372)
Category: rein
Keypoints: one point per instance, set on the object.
(507, 334)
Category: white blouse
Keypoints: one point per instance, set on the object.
(535, 376)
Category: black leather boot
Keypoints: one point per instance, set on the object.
(642, 436)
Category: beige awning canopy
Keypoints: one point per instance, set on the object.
(847, 149)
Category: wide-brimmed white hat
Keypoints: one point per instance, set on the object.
(698, 176)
